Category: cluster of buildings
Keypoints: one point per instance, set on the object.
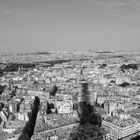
(114, 93)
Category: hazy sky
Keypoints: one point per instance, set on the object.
(42, 25)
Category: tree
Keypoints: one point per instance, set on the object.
(56, 111)
(1, 106)
(124, 84)
(53, 90)
(48, 109)
(2, 88)
(129, 66)
(102, 66)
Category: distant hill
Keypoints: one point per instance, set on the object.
(41, 53)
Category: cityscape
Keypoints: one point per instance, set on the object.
(87, 96)
(69, 69)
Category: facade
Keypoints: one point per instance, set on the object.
(13, 106)
(110, 106)
(64, 107)
(23, 116)
(121, 128)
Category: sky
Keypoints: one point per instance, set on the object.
(67, 25)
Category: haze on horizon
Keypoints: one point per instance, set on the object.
(48, 25)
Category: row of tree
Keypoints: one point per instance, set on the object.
(129, 66)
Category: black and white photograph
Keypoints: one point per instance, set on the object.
(69, 69)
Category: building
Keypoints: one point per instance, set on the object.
(110, 106)
(64, 107)
(23, 116)
(123, 127)
(13, 106)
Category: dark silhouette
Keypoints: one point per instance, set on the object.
(136, 138)
(87, 114)
(15, 66)
(18, 105)
(53, 90)
(13, 92)
(28, 130)
(38, 53)
(48, 111)
(2, 88)
(124, 84)
(90, 120)
(81, 72)
(56, 111)
(3, 121)
(52, 106)
(1, 73)
(129, 66)
(102, 66)
(1, 106)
